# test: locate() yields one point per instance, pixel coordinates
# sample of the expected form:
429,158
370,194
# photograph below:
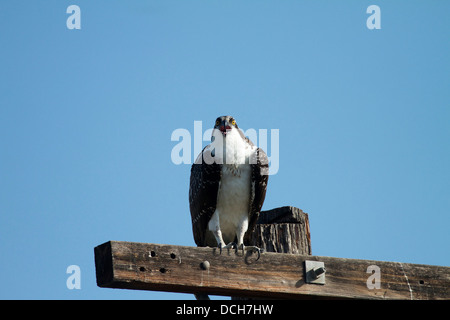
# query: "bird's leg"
242,229
214,227
218,235
220,243
240,245
240,232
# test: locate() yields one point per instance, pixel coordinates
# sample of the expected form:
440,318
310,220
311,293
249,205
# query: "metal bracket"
315,272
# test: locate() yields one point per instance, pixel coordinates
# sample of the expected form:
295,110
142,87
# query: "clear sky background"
86,118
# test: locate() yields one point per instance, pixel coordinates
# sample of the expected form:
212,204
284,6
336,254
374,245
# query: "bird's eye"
217,122
233,122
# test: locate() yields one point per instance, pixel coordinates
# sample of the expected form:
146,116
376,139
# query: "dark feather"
259,179
203,189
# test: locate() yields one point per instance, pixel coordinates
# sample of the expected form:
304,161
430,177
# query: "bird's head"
224,124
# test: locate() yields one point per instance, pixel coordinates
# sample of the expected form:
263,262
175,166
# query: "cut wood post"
283,230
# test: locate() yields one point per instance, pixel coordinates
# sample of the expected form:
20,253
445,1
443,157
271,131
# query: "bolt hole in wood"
152,254
421,282
173,256
142,269
163,270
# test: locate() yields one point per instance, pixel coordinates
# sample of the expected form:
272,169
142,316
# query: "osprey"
227,188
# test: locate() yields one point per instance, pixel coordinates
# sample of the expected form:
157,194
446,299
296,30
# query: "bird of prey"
227,188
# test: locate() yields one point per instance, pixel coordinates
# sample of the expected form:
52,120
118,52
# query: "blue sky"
86,118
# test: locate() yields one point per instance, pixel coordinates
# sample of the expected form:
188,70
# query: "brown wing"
203,189
259,179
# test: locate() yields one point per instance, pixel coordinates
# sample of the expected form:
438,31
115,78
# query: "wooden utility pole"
145,266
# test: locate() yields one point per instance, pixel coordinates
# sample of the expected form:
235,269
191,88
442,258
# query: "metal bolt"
317,272
204,265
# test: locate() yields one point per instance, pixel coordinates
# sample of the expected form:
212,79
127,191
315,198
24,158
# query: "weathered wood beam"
146,266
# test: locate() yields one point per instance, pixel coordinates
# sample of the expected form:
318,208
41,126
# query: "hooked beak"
224,127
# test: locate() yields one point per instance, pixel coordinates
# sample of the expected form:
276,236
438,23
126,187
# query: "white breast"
233,198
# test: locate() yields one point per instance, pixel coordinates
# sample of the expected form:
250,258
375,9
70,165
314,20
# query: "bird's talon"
240,247
251,249
231,245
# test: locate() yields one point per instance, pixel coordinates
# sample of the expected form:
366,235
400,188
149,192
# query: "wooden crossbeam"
146,266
